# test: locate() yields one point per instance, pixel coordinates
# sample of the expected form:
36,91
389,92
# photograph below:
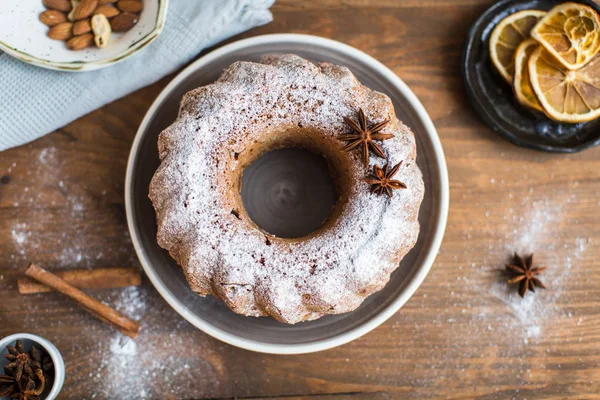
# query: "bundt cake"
253,108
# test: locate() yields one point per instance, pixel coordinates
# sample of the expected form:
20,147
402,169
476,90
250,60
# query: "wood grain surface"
463,335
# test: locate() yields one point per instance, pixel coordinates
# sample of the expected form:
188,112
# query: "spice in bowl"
84,23
29,373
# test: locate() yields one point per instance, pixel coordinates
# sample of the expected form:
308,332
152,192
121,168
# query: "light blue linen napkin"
36,101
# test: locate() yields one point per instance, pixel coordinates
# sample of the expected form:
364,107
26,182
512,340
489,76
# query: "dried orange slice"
507,36
570,32
566,95
521,84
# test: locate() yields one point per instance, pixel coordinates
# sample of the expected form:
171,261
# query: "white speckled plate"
23,36
265,334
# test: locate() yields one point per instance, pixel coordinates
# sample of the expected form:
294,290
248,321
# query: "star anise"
33,392
38,359
25,367
25,379
19,359
42,358
27,390
23,362
364,136
381,180
8,385
525,274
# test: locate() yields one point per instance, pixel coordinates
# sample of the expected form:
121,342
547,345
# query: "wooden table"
462,335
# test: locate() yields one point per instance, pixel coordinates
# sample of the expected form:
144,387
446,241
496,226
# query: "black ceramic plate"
495,102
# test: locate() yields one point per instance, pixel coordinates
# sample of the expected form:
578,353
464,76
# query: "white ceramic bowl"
265,334
23,36
28,339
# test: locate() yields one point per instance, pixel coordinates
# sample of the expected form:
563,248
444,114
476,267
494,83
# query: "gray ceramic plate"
265,334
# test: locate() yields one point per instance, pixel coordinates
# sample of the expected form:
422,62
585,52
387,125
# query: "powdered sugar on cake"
331,272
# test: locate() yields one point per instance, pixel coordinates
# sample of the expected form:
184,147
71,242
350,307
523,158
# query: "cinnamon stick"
99,310
97,278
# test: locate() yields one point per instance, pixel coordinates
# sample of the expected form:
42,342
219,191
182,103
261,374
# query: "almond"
59,5
85,9
104,2
123,22
74,5
80,42
107,10
52,17
131,6
62,31
81,27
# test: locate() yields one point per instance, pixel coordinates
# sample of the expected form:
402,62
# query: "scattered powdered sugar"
331,272
532,226
158,363
131,303
67,207
19,235
482,322
533,331
161,362
47,156
539,222
123,346
70,256
488,307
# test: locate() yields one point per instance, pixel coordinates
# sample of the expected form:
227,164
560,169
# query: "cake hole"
236,214
289,192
